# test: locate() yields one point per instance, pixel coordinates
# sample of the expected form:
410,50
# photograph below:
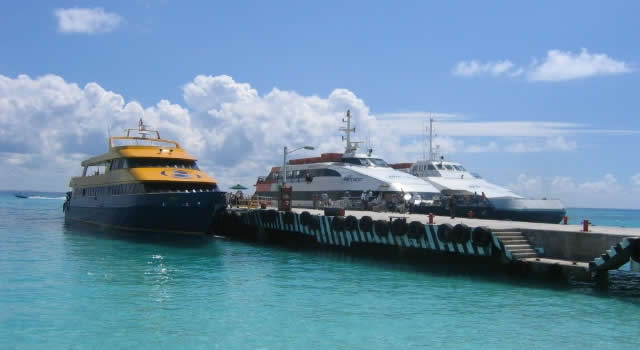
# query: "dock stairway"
517,244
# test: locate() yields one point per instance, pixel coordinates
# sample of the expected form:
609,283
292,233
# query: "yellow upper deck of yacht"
164,161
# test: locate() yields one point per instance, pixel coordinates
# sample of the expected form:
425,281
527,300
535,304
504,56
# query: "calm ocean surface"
78,288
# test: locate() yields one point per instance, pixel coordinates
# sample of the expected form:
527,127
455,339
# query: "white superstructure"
452,179
338,176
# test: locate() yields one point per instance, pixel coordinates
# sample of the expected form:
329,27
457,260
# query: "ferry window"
379,162
431,167
323,172
161,163
355,161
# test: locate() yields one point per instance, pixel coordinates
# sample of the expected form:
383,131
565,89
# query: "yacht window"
439,165
379,162
462,168
431,167
355,161
449,167
323,172
459,168
476,175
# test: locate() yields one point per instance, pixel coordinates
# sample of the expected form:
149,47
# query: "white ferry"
472,193
344,177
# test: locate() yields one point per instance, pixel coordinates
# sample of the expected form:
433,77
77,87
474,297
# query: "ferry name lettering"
351,178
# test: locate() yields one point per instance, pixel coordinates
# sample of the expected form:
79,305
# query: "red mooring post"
430,218
565,220
585,225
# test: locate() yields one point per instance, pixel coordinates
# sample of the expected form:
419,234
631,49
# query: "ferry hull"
512,209
177,212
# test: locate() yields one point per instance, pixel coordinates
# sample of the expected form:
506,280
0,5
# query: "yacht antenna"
351,146
430,137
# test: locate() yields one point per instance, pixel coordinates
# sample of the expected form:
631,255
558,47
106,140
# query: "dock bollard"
585,225
565,220
430,218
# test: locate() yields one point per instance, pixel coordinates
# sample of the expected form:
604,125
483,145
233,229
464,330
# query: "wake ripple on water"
42,197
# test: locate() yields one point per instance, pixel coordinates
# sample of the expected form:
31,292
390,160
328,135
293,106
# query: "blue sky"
239,78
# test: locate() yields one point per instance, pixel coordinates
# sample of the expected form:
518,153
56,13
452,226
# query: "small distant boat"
21,195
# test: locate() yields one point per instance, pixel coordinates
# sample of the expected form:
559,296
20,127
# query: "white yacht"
336,176
473,193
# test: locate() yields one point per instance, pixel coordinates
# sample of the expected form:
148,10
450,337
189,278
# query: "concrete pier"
553,250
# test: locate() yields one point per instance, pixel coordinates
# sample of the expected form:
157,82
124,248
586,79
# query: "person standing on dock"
452,206
363,200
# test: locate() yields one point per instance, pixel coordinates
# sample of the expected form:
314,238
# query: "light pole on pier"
284,160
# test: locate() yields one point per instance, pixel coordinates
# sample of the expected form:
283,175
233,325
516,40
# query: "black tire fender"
444,232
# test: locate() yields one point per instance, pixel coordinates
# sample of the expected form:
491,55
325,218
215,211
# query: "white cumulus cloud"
48,125
635,180
86,20
556,66
604,192
474,68
561,65
557,143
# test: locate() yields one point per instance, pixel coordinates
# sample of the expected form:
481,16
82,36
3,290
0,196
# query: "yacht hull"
177,212
513,209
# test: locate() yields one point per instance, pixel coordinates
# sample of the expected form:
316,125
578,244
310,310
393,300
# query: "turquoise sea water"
79,288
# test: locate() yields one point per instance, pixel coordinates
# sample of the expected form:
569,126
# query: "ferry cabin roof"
157,160
155,148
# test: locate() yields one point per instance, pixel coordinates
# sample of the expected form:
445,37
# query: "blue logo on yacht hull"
179,174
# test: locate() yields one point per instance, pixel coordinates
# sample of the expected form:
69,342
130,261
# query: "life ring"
461,233
381,227
416,229
444,232
351,223
337,223
399,227
366,223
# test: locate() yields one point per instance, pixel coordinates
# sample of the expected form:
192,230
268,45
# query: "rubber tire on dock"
337,224
399,227
381,227
333,211
305,218
461,233
314,222
351,223
366,224
444,232
481,236
272,215
416,229
289,218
